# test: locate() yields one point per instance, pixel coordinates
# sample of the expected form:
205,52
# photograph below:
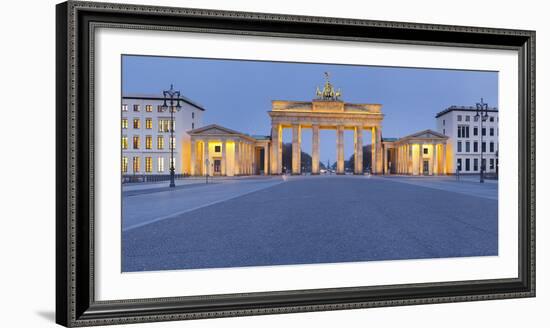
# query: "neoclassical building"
217,150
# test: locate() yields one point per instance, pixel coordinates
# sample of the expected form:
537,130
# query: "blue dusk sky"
237,94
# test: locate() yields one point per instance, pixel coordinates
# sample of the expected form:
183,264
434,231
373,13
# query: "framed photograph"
214,163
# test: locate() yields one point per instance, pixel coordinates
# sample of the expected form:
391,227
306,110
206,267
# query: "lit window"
124,107
173,143
124,123
148,142
160,142
160,163
135,164
136,108
149,108
124,164
164,125
135,142
160,109
137,123
149,123
124,142
148,164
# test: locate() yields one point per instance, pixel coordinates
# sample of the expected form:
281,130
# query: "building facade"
469,136
146,135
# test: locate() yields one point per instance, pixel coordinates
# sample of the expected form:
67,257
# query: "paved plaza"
306,219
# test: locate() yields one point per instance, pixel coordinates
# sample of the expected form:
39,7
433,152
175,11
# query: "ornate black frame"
75,303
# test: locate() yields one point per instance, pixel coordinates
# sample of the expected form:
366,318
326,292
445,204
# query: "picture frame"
76,304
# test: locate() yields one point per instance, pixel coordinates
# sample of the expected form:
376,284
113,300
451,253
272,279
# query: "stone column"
385,155
224,159
315,149
236,163
275,145
436,159
379,155
358,150
444,154
420,160
206,160
340,150
373,150
266,159
193,157
296,149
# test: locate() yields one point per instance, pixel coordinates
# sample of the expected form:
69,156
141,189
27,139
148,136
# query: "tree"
350,163
305,159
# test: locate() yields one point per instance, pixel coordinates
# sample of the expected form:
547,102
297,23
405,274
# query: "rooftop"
463,109
159,97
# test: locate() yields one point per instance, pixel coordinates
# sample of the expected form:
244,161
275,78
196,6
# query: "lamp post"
174,97
481,115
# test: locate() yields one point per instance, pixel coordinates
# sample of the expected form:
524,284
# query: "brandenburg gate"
327,111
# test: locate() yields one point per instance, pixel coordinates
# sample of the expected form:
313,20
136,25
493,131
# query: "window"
475,146
476,164
135,164
491,119
492,131
193,115
492,147
463,131
467,164
148,123
467,118
192,125
137,124
124,164
459,164
483,164
476,118
173,143
135,142
160,109
160,142
443,131
148,164
425,151
467,146
124,142
148,142
136,108
459,147
160,166
124,107
217,149
459,118
492,164
484,146
124,123
149,108
164,125
475,130
484,131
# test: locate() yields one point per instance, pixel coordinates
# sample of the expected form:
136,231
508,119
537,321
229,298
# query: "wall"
27,211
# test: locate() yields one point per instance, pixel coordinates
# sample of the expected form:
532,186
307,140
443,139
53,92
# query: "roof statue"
328,92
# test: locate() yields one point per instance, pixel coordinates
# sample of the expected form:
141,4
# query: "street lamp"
481,115
172,95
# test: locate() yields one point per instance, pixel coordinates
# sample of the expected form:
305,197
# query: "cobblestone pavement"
314,220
